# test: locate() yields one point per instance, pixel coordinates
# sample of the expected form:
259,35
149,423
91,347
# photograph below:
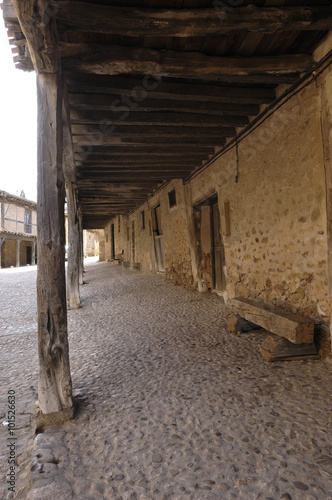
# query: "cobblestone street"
170,405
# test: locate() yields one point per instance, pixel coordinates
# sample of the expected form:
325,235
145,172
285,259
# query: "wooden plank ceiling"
154,86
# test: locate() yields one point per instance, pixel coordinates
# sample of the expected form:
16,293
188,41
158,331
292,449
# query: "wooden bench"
293,327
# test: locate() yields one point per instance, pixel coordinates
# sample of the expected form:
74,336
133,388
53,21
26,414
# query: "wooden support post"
18,244
81,260
33,259
73,269
1,242
55,386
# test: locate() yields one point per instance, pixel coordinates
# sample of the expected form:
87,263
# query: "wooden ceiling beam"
135,91
119,60
218,21
106,130
39,28
134,140
85,153
128,158
106,102
140,173
174,119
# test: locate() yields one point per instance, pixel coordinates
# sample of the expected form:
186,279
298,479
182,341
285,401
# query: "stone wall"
90,243
121,239
271,192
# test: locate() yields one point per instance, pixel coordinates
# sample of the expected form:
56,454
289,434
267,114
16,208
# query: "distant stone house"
18,230
90,243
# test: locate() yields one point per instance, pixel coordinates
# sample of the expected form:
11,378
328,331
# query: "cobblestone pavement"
170,405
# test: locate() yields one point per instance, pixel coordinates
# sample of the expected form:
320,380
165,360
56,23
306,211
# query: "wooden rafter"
139,89
154,119
119,60
39,28
130,21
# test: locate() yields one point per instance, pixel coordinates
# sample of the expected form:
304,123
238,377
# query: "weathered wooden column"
33,258
1,242
55,386
81,268
18,246
74,253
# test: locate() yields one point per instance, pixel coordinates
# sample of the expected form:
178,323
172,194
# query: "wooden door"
218,253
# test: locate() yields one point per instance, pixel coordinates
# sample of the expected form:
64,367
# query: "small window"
27,221
143,219
106,238
172,198
119,224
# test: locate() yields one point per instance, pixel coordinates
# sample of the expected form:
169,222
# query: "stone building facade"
254,223
18,230
90,243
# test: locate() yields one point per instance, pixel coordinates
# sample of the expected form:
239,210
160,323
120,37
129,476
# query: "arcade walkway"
170,405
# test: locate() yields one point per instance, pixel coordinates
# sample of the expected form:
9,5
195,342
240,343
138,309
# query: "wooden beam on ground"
295,328
172,119
137,90
106,102
276,348
55,386
218,21
119,60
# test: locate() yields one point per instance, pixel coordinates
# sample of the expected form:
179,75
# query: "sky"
18,125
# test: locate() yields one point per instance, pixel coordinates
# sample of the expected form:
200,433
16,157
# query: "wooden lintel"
119,60
218,21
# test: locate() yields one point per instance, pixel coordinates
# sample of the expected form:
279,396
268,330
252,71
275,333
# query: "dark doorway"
29,255
112,243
